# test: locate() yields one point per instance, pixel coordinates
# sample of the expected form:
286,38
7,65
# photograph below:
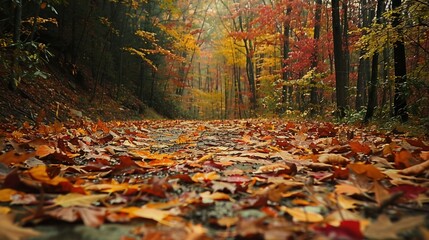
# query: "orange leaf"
227,221
347,189
13,157
40,173
357,147
402,159
44,150
366,169
201,177
162,162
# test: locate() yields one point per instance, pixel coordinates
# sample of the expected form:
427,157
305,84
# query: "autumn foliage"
244,179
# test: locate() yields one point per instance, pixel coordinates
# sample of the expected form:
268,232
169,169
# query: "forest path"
247,179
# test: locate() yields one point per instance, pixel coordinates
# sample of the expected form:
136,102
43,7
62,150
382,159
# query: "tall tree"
372,92
340,68
400,101
314,60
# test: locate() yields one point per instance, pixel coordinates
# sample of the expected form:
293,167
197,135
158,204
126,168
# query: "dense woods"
229,58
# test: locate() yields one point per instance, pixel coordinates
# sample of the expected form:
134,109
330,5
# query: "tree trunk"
340,71
400,101
14,74
346,50
285,74
313,91
372,94
363,69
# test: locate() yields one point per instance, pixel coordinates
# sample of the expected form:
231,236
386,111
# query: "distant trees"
235,58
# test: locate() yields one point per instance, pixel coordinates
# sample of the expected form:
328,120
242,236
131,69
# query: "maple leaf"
76,199
11,231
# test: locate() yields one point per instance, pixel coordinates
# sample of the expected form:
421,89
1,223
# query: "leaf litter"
236,179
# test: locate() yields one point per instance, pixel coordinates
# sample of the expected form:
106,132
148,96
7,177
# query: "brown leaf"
384,228
416,169
334,159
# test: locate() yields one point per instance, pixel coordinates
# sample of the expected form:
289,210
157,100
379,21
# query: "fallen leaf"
384,228
348,229
76,199
43,151
90,216
334,159
14,157
416,169
301,215
347,189
202,177
358,147
147,213
6,194
227,221
367,170
208,197
381,193
11,231
40,173
402,159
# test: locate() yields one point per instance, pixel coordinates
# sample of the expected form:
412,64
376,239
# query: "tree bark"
372,94
313,91
340,71
400,101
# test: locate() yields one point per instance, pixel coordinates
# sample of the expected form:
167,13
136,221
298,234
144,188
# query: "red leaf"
410,192
348,229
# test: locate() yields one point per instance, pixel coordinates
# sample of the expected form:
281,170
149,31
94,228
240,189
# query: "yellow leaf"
6,194
4,210
147,213
39,173
300,215
76,199
11,231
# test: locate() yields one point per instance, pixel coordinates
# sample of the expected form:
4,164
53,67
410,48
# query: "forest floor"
235,179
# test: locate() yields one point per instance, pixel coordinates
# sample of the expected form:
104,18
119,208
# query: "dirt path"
242,179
